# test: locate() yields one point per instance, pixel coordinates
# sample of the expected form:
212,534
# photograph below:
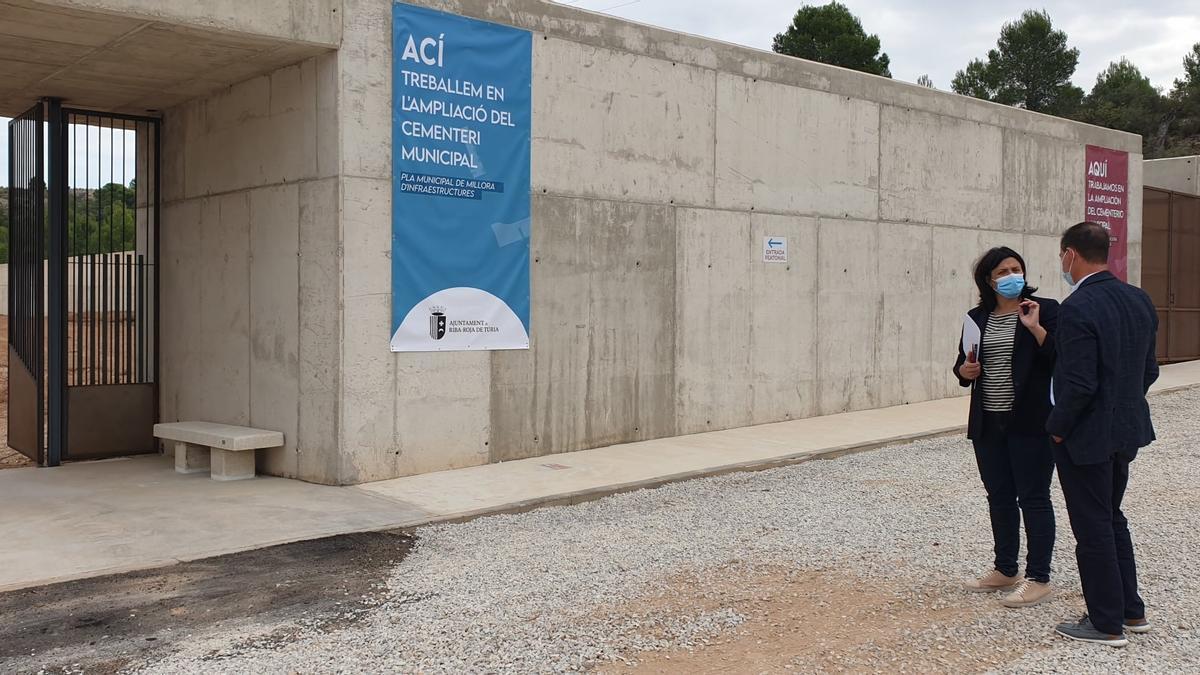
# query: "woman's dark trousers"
1016,470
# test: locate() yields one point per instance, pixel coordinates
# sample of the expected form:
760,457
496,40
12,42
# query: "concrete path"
94,518
103,517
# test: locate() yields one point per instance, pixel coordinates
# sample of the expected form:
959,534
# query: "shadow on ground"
110,623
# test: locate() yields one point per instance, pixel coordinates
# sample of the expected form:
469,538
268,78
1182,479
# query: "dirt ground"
9,458
107,624
857,620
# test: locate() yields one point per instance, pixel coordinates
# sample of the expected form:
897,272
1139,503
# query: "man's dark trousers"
1105,550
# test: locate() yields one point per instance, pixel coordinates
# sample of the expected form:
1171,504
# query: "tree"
831,34
98,221
926,81
1124,99
102,221
976,80
1183,136
1189,85
1031,68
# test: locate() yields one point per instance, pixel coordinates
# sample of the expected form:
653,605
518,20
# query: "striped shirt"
999,340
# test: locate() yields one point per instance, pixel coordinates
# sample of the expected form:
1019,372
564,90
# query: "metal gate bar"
56,276
26,204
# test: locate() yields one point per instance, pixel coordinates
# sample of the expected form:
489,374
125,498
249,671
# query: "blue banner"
461,101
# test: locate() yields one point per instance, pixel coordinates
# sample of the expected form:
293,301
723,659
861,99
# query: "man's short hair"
1090,240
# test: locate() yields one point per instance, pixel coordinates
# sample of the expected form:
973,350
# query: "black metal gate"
111,238
87,374
26,284
1171,259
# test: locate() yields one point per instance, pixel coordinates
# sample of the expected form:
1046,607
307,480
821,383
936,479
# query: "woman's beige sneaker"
991,582
1028,593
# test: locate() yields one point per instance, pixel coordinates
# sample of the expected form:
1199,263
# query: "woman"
1009,375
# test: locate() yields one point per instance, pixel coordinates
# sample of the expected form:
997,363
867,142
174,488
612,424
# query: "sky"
933,37
939,37
95,157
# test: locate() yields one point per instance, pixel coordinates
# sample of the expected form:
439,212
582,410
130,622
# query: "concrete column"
231,465
191,458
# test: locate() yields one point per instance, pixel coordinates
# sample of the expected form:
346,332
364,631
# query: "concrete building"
1177,174
660,161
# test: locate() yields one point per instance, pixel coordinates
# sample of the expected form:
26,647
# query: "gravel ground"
627,582
11,459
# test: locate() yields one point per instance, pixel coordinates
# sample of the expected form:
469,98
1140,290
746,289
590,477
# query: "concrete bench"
226,452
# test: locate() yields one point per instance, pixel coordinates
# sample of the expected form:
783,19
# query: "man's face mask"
1066,273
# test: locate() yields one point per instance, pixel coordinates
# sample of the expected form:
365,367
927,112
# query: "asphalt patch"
108,624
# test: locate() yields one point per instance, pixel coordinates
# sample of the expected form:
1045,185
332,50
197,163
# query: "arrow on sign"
772,243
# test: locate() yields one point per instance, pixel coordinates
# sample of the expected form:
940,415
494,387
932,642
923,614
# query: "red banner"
1107,202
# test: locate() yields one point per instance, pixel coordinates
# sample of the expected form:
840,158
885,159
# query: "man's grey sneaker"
1139,626
1084,631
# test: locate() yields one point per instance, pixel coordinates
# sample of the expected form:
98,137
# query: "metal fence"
110,232
26,289
83,320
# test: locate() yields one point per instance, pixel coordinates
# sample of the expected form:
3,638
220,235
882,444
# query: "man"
1106,364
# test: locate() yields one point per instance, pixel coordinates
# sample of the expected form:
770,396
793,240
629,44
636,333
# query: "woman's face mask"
1011,286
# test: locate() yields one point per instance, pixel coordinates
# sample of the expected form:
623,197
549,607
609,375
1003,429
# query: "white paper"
970,336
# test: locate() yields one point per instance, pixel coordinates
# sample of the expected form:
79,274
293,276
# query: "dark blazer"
1032,368
1107,337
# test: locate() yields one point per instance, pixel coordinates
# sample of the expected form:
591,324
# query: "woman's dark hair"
983,275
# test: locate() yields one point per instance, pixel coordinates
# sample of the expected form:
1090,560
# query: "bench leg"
229,465
190,458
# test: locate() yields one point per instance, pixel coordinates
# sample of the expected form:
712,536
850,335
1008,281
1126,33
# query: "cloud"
939,37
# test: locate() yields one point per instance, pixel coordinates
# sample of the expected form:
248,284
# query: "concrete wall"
131,56
111,288
659,162
250,268
1181,174
308,21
